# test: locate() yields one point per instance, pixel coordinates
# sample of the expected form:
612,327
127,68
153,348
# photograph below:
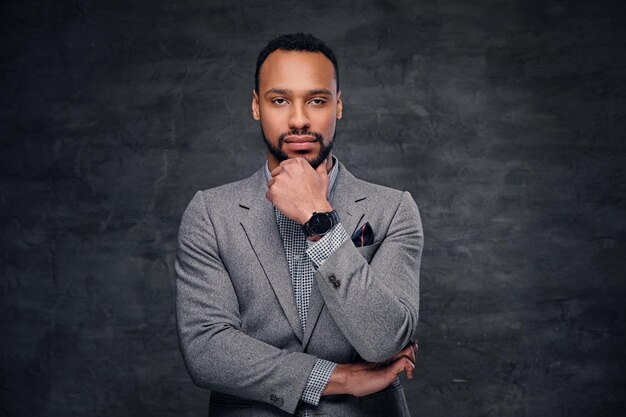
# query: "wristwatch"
320,223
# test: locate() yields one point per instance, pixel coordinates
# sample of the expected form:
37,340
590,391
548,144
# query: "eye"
279,101
318,101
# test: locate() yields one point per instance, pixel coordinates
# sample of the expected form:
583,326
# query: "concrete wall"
505,120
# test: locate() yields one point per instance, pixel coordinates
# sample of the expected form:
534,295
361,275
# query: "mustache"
300,132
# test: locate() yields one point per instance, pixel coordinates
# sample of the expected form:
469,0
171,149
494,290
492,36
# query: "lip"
300,144
299,139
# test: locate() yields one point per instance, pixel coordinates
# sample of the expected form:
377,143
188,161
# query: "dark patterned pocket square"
363,236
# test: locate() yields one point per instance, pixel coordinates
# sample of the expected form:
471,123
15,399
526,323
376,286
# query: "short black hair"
295,42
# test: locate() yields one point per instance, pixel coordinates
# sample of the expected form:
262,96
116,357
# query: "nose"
298,118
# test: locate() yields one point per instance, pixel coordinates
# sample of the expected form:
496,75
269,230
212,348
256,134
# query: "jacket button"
279,401
333,280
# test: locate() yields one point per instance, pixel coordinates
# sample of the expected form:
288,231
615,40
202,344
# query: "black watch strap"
320,223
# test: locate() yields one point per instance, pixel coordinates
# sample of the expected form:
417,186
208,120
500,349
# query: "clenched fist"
298,190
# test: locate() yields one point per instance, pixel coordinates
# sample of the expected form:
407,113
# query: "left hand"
409,352
298,190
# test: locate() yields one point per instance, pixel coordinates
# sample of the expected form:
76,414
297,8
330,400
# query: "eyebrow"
313,92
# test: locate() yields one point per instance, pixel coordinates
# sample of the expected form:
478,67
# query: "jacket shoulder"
231,192
377,189
379,194
388,202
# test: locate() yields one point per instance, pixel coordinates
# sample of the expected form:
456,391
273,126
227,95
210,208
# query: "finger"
290,161
270,183
407,351
409,372
303,163
403,364
409,368
408,358
276,170
400,365
412,353
321,168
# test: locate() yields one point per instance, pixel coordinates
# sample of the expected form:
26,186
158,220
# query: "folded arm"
219,356
376,304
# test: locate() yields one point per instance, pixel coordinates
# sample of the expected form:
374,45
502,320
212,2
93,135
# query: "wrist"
318,208
338,381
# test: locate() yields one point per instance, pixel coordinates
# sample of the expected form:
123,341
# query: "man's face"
298,106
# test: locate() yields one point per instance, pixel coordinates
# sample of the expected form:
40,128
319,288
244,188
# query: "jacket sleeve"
217,354
376,304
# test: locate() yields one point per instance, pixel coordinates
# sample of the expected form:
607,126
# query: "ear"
256,114
339,105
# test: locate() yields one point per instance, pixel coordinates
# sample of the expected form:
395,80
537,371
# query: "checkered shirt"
304,257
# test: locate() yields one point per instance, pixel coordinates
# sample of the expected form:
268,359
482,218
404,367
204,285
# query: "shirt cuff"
320,374
319,251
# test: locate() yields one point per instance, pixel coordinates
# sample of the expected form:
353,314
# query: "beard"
278,153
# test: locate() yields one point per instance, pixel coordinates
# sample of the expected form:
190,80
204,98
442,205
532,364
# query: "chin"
309,156
306,155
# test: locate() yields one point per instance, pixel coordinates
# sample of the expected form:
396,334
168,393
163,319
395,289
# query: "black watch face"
320,223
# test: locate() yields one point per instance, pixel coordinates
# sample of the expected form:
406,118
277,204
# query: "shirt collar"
332,176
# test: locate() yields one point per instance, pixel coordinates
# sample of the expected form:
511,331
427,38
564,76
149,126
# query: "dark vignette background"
505,120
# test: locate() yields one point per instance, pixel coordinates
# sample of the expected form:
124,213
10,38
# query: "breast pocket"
368,251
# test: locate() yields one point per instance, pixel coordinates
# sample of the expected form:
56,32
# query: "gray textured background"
505,120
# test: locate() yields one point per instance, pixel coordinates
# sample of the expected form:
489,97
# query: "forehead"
297,70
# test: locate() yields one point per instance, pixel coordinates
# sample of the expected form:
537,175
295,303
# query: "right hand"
364,378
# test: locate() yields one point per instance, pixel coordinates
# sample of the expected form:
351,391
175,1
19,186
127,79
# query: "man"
280,310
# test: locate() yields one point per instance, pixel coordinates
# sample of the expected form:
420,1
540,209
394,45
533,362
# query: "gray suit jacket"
238,324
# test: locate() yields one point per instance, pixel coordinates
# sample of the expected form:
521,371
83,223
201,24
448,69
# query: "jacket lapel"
262,231
346,199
